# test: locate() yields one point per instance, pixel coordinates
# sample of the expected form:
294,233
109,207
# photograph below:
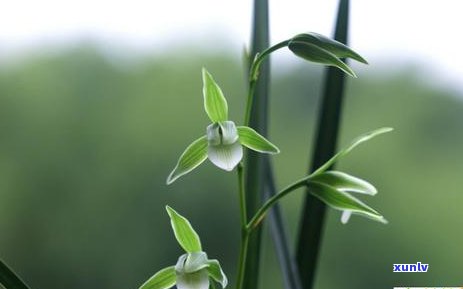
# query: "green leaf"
343,201
215,103
163,279
337,48
215,271
345,182
253,140
192,157
361,139
184,233
317,54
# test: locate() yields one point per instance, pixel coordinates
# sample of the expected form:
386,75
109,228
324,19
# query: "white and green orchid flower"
224,141
193,269
334,188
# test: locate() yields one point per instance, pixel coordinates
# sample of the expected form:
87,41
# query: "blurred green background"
87,141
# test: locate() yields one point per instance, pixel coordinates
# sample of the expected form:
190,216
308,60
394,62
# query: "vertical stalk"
312,219
244,231
287,262
258,119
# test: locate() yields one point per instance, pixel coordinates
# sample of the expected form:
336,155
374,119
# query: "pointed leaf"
345,182
215,103
343,201
253,140
184,233
317,54
361,139
192,157
225,157
337,48
215,271
163,279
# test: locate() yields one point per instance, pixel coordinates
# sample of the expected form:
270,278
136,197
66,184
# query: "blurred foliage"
86,145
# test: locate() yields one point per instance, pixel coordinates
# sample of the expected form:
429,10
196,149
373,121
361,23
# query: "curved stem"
254,74
260,214
244,231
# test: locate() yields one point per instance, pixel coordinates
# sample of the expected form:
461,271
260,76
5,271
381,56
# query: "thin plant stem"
254,74
242,260
244,232
242,195
260,214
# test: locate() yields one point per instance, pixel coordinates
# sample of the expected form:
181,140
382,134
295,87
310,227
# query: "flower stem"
254,74
260,214
244,231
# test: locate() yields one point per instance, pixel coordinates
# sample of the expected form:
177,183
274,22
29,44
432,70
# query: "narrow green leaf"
337,48
258,120
345,182
343,201
163,279
216,272
361,139
317,54
288,266
313,214
9,279
215,103
184,233
253,140
193,156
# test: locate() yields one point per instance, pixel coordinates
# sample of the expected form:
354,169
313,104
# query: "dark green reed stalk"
9,279
312,219
287,262
254,173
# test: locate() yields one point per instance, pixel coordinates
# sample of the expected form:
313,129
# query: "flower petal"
195,262
345,182
225,157
193,156
345,216
215,103
314,53
253,140
163,279
184,233
197,280
345,151
215,271
229,132
343,201
222,133
337,48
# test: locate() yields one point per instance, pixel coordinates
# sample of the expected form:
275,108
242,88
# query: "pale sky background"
427,32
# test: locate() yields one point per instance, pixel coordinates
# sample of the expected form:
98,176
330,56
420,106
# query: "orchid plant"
223,144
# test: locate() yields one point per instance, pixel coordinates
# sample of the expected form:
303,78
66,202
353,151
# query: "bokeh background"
96,108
